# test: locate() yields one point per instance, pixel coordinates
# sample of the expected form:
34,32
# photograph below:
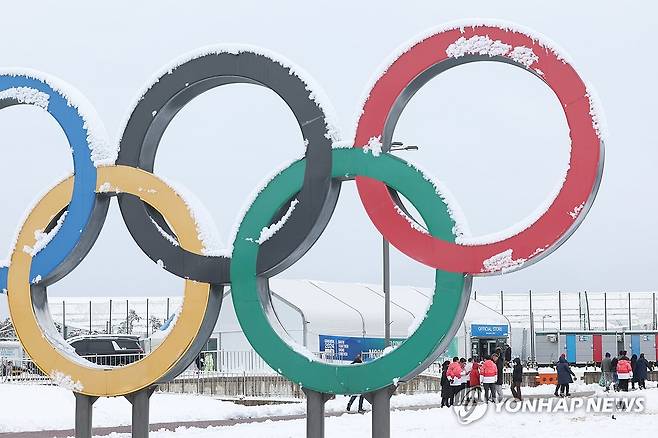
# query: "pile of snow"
26,95
374,146
65,381
502,262
42,239
267,232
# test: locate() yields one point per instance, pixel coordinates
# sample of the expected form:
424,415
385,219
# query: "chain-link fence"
559,310
137,316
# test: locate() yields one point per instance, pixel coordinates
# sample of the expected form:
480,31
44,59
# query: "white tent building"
336,319
311,310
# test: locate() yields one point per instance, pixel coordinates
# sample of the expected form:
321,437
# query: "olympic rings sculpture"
289,213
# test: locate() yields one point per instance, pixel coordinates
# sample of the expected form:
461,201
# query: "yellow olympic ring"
92,379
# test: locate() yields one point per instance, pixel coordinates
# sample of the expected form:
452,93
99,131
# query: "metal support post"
653,311
315,412
532,328
64,319
381,411
559,309
630,323
148,331
605,311
83,410
387,292
140,412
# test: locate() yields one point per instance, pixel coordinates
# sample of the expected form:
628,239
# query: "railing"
234,385
114,360
236,361
221,373
21,371
252,385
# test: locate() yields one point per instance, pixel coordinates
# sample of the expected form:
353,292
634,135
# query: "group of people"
620,371
472,376
464,380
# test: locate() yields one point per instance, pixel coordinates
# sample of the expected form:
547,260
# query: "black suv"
108,350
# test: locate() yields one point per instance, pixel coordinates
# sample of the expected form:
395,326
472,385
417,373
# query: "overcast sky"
493,133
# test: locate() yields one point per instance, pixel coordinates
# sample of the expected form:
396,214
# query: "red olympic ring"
555,225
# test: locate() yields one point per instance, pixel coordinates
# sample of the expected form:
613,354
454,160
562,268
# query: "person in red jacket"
474,378
455,373
489,376
474,390
624,375
624,372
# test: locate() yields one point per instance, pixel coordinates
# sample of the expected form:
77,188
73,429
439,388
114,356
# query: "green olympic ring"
250,292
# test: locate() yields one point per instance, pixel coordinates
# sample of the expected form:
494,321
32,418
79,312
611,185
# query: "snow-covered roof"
350,309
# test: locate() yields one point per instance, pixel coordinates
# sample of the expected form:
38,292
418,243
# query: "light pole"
386,271
543,318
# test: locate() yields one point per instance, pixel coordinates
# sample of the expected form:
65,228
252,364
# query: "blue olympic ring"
83,199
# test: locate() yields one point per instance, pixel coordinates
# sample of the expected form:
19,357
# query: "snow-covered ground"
55,407
38,408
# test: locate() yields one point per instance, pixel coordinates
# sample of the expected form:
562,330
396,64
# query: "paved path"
219,423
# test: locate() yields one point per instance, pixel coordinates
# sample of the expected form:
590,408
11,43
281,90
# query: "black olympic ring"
160,104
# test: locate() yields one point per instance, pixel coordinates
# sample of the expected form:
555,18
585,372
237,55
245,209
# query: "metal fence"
234,385
575,310
236,375
21,371
252,385
139,316
237,361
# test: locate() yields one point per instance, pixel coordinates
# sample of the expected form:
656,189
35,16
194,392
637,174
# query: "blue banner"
489,330
347,347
